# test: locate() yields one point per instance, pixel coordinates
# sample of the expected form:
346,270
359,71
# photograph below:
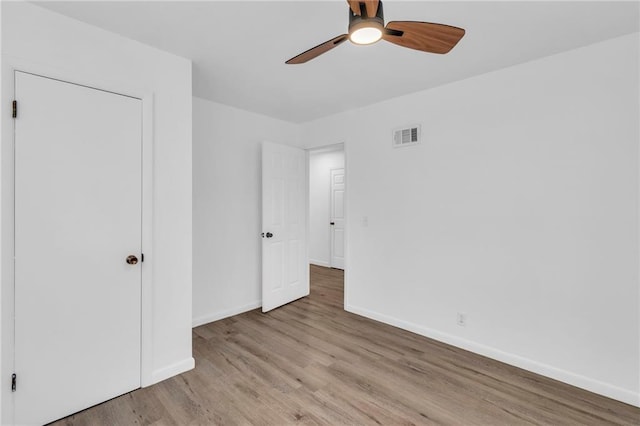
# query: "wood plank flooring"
310,362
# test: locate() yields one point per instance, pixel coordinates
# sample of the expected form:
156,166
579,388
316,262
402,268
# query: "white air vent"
406,136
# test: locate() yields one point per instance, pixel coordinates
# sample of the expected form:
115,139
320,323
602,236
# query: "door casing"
339,146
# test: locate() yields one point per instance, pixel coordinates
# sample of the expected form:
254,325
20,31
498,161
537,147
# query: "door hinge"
13,382
15,109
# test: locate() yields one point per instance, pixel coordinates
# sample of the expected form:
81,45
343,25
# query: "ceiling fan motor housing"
357,22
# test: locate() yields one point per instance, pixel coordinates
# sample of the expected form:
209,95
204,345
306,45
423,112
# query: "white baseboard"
215,316
171,370
320,263
577,380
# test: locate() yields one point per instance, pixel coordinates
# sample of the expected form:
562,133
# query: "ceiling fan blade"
355,6
371,7
424,36
318,50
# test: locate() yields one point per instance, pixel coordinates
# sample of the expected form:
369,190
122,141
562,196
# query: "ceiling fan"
366,26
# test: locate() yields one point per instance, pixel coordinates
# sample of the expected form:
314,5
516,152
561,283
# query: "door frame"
7,208
337,146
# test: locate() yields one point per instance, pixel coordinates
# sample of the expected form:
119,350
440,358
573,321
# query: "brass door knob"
132,260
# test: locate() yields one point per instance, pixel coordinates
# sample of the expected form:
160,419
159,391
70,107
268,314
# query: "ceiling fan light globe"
365,35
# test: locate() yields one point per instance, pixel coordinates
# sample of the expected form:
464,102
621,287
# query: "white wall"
520,209
320,165
45,42
227,206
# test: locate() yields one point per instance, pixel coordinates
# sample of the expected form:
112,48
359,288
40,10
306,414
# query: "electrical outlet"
462,319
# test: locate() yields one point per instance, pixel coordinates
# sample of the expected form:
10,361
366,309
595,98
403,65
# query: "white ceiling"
239,48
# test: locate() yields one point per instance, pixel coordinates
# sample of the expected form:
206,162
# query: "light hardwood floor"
311,362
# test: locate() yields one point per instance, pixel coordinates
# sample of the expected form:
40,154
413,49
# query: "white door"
77,219
337,218
285,268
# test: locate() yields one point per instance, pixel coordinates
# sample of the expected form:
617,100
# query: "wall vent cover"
406,136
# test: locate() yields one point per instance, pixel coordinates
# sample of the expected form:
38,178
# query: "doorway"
327,189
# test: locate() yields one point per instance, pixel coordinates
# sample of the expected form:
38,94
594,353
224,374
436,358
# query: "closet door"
77,247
